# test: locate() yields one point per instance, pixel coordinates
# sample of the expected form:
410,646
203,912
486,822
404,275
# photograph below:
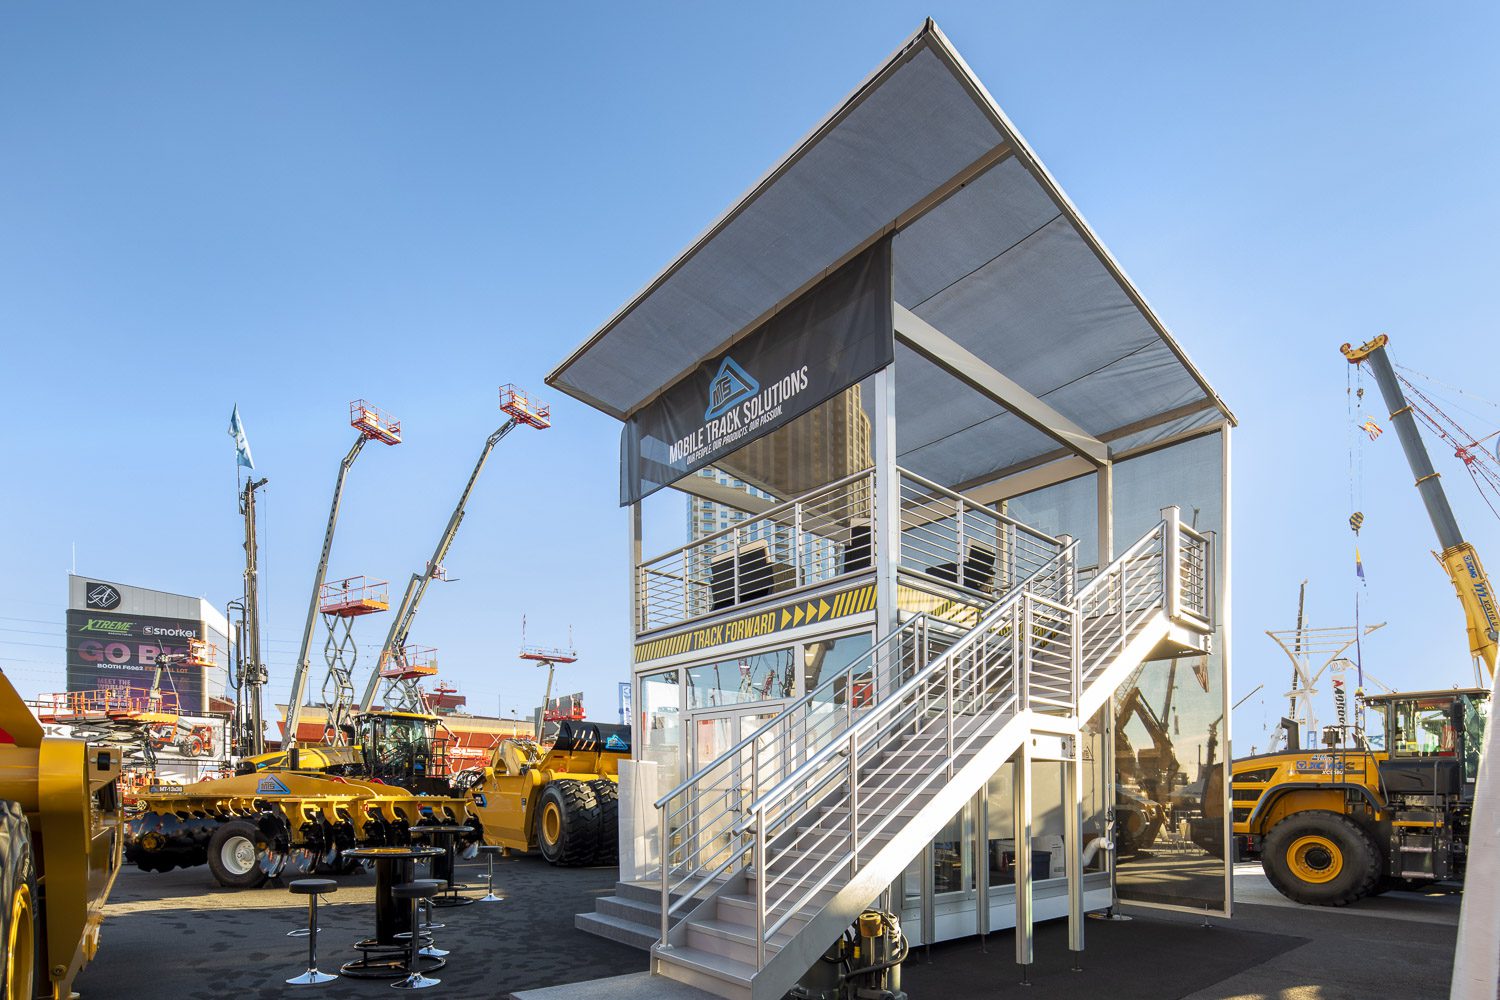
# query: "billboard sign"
112,651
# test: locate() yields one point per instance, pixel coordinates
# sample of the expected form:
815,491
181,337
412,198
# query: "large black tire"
567,823
608,794
1321,858
233,857
20,926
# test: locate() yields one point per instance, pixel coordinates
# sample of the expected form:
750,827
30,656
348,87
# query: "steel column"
1021,786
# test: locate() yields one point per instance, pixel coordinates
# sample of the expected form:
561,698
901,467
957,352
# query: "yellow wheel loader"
1389,811
562,801
60,823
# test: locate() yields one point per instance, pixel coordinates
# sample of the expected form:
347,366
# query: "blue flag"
241,443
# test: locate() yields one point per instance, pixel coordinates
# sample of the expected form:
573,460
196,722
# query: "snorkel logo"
731,386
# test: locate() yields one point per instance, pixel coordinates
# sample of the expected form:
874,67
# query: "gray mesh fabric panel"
913,133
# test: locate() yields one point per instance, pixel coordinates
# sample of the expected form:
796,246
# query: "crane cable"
1354,393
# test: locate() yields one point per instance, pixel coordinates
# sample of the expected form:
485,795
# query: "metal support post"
887,483
1073,845
1021,785
1171,560
982,864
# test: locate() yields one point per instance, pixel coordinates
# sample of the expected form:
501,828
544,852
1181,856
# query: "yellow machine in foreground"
302,806
562,801
1391,811
60,827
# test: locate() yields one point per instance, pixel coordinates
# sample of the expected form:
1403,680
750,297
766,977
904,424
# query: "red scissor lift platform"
410,663
354,596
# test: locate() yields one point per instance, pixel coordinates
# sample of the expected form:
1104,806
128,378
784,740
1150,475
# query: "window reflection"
756,677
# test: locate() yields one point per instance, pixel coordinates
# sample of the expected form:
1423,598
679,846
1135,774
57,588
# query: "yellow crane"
1458,558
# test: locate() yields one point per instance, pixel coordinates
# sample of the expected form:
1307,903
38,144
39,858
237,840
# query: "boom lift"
372,425
400,664
1369,813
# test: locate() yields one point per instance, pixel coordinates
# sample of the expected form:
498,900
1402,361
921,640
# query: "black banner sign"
835,334
115,651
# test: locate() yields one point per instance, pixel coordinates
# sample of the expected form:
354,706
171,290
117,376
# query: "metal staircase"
773,849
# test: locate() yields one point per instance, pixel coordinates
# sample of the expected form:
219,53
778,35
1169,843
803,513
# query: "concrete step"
617,929
646,914
718,974
642,892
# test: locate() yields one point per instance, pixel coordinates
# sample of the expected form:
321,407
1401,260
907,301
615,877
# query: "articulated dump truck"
60,836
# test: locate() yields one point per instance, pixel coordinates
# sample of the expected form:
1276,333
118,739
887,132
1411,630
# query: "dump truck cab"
1369,810
560,799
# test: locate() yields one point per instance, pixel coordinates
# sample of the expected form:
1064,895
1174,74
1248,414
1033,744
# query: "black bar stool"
312,888
490,850
415,891
425,925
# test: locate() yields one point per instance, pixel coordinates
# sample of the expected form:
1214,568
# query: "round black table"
445,836
384,956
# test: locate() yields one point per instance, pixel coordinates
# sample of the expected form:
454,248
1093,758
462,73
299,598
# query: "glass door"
714,734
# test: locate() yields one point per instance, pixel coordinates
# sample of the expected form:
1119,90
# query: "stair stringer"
787,966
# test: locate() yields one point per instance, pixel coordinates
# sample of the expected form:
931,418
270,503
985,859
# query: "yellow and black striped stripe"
824,607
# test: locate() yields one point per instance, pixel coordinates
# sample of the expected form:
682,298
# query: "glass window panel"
1169,757
745,679
660,725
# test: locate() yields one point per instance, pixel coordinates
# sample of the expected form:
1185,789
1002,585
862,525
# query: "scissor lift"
340,602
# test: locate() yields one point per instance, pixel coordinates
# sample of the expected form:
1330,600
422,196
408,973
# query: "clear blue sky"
293,205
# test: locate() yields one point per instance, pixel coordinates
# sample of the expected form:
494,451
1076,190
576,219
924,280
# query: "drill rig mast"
252,740
399,664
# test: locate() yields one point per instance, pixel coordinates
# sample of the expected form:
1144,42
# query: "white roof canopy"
990,258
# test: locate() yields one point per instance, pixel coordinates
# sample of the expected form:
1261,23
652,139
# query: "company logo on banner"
826,340
101,596
737,408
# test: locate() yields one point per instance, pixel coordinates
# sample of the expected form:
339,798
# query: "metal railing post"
950,660
666,893
1024,650
735,561
853,804
797,579
687,586
759,861
958,558
1171,557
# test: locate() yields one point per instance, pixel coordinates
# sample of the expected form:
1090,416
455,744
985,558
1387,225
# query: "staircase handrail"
836,744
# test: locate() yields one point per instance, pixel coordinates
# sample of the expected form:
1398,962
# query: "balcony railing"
946,539
817,537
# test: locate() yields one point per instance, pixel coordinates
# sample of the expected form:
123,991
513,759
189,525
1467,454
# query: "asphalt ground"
182,937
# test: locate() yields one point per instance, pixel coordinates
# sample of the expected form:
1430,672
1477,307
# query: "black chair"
312,888
490,850
415,891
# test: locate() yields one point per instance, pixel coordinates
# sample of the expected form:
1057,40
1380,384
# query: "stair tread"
729,969
742,933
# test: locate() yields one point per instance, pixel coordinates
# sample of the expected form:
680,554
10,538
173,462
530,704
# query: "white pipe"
1093,847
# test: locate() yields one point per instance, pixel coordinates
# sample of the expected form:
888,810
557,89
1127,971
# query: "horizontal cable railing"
828,533
950,539
817,537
